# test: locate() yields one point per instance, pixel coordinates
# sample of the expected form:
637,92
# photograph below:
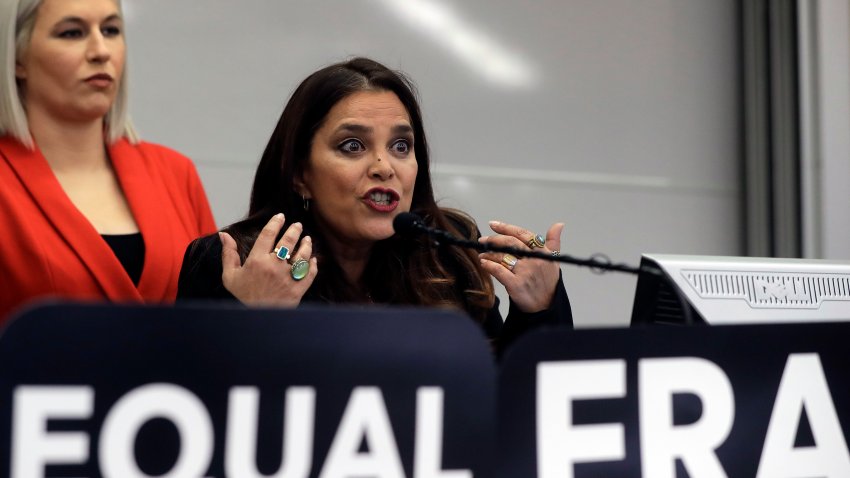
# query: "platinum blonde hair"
17,18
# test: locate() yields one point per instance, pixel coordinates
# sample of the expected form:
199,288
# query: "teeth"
380,198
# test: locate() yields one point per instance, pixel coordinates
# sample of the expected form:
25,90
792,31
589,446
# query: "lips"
380,199
100,80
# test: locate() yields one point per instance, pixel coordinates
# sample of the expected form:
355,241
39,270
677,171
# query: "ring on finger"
509,261
556,253
282,253
299,269
536,241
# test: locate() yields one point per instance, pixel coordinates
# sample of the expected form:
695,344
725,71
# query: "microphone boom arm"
593,263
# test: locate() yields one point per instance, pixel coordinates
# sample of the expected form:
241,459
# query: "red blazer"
49,249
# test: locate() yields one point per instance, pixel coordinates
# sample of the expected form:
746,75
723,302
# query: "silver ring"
556,253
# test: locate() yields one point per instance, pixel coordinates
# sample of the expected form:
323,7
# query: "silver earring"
306,203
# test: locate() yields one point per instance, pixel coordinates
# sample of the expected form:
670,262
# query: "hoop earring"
306,203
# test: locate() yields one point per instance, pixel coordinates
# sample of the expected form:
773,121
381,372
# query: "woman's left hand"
530,282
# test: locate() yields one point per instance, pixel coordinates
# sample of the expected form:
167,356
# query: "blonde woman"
88,212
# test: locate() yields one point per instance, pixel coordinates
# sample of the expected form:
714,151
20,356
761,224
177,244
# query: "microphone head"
406,222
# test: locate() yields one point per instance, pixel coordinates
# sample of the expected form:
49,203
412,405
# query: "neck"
351,258
69,145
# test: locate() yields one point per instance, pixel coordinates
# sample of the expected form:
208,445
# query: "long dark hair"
399,271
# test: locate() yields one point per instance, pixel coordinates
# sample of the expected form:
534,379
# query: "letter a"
366,418
804,384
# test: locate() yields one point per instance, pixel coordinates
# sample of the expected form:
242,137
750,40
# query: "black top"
130,251
200,278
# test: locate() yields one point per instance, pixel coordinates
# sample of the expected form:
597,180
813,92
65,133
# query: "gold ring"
536,241
509,261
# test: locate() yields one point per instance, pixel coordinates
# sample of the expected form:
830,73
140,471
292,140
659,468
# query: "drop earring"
306,203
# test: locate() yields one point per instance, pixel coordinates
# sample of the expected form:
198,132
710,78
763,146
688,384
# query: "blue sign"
666,402
227,391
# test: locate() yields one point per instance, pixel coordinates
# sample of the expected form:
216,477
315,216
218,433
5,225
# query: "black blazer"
200,278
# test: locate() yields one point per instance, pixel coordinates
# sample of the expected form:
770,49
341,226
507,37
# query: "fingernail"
495,223
306,238
296,224
279,215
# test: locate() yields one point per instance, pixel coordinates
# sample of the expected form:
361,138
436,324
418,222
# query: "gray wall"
619,118
824,27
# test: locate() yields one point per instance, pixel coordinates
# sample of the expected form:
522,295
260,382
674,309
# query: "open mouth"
382,199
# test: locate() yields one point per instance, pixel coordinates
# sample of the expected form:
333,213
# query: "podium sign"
226,391
667,402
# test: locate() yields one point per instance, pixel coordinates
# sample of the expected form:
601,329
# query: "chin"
91,113
383,232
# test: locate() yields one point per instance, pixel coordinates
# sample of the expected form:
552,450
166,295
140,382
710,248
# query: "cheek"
118,58
409,179
59,66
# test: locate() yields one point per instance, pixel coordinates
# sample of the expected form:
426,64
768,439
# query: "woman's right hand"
264,279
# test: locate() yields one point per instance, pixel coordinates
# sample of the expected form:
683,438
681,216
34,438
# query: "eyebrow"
79,20
354,128
361,129
402,129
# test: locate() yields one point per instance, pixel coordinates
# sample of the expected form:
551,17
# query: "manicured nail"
495,223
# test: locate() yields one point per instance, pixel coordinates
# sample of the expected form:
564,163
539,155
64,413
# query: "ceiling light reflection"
473,47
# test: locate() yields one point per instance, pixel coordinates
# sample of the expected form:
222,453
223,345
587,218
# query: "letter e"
560,444
33,446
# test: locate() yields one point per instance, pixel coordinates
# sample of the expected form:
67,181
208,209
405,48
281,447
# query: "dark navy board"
753,358
207,350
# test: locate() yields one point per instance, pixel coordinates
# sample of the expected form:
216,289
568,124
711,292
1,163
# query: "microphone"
407,223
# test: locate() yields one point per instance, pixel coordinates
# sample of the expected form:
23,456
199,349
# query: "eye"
71,33
111,31
352,146
401,147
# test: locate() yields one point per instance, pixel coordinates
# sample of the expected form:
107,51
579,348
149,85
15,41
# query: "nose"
98,51
381,169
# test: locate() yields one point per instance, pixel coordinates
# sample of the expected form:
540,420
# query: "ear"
301,187
20,71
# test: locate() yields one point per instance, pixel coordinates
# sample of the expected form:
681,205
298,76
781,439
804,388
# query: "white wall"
620,118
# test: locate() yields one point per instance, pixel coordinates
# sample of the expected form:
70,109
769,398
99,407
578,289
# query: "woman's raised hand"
529,282
273,274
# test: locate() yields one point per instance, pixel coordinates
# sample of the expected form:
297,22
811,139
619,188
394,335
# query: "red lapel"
75,229
154,216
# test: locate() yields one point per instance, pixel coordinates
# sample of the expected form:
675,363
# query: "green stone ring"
299,269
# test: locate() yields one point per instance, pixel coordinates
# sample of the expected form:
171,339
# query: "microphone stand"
443,237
